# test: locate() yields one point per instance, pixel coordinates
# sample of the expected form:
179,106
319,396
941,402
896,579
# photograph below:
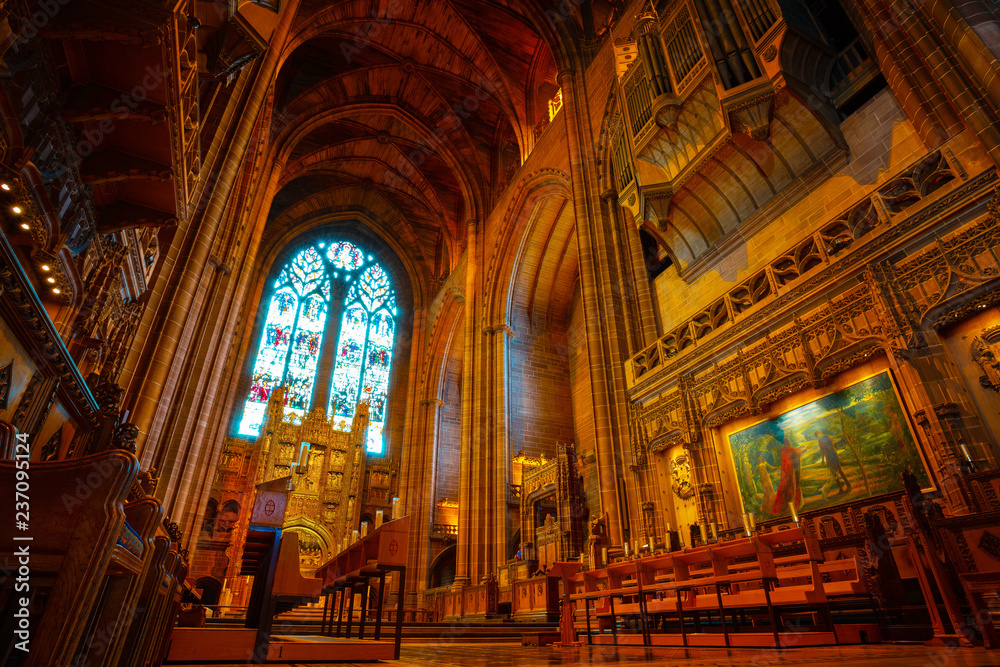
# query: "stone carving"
680,475
984,349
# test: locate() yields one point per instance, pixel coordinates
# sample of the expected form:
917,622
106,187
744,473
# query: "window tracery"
301,313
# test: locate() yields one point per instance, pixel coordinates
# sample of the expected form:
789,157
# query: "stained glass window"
297,320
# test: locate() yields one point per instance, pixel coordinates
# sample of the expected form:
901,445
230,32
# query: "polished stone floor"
512,655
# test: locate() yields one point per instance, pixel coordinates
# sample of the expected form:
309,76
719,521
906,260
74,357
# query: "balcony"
695,147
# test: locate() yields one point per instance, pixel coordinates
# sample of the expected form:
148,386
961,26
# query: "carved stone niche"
985,350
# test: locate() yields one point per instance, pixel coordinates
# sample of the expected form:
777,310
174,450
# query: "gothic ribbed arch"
324,289
515,231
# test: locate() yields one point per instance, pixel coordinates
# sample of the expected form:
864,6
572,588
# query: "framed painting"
848,445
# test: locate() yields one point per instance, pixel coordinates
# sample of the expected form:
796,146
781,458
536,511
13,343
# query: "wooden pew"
159,593
722,578
91,554
361,567
291,589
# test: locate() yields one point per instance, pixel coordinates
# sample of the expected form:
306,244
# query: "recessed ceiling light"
45,267
4,186
51,280
25,225
55,290
16,209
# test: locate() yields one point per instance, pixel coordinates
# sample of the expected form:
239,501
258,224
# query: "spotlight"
51,280
25,225
55,290
4,187
16,209
46,267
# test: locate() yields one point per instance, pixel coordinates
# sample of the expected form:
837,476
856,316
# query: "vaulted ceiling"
410,110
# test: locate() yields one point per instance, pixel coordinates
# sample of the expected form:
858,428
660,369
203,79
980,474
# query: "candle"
635,545
965,450
680,536
395,508
704,532
715,533
795,516
746,524
354,536
753,521
604,556
378,519
364,528
668,528
626,549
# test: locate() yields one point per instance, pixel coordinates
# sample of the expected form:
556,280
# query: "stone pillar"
500,454
585,212
464,548
923,102
952,79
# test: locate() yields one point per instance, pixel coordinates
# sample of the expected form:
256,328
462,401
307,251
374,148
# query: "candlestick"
746,524
635,545
715,533
354,536
378,519
753,521
395,508
680,536
626,549
364,528
604,556
795,516
704,532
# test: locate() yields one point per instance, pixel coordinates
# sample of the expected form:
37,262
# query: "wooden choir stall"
102,572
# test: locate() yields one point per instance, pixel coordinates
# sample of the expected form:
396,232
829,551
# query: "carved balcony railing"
856,225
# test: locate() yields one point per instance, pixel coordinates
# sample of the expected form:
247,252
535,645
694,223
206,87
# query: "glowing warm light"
45,267
51,280
55,290
25,225
16,209
4,186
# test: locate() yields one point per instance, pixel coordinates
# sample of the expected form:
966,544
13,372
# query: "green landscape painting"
846,446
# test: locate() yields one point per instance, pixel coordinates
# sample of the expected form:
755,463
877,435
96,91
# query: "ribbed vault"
409,112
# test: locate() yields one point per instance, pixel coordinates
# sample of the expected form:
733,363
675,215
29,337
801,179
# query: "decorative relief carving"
680,475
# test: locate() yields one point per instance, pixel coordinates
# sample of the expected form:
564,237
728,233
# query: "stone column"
465,485
585,213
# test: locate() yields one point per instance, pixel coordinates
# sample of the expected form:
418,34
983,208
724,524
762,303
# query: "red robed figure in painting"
789,490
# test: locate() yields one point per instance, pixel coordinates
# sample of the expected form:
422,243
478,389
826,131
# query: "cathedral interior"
651,324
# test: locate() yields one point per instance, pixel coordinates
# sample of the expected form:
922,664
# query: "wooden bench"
718,579
361,567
